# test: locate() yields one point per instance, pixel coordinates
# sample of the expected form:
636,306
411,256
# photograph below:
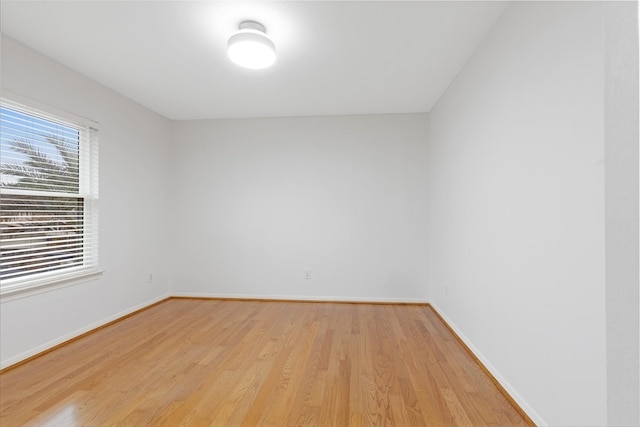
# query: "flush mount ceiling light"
250,47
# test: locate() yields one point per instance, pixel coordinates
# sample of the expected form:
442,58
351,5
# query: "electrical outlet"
307,274
446,290
150,278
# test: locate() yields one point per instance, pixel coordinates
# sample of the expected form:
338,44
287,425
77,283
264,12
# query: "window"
48,197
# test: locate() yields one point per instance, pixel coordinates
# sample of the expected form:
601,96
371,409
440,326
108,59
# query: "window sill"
47,284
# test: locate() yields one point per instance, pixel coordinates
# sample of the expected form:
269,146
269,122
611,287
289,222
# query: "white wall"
516,181
258,201
133,214
621,212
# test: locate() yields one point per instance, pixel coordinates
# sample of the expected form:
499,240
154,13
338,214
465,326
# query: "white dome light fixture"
250,47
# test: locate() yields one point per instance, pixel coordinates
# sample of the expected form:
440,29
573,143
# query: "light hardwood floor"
231,363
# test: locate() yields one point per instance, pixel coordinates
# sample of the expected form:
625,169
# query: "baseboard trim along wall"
41,350
500,382
302,298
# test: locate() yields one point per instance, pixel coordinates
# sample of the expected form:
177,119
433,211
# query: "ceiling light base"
252,25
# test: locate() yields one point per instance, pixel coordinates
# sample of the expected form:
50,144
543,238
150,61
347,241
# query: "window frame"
30,284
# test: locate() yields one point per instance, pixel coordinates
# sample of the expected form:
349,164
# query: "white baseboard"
300,298
78,332
537,419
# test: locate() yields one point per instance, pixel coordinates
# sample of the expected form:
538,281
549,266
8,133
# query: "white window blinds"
48,198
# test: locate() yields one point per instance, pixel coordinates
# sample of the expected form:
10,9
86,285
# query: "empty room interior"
319,213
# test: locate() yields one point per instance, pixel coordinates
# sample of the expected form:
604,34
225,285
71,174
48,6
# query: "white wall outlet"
150,278
446,290
307,274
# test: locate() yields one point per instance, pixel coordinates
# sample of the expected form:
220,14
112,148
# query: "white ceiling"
360,57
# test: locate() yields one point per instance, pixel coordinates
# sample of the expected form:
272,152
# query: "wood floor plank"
245,363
